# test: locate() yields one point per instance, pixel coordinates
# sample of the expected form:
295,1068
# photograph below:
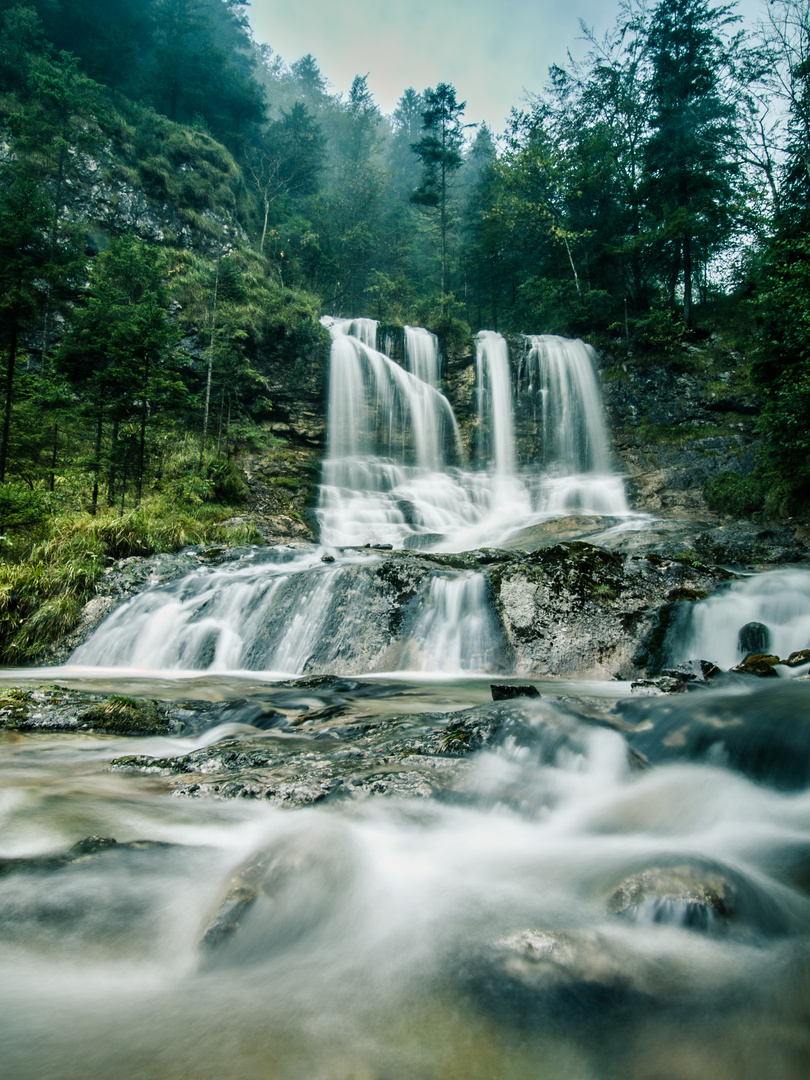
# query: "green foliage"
782,370
21,508
658,334
186,167
735,495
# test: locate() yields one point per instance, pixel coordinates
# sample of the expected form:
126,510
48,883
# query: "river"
412,883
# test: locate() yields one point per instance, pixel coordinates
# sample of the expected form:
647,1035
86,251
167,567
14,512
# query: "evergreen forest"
179,205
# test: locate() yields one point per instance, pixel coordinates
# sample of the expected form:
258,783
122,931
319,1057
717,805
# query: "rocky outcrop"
674,428
576,609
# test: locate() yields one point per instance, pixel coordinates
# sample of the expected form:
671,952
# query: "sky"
492,51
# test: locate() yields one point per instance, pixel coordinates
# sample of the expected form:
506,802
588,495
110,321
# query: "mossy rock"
125,716
14,706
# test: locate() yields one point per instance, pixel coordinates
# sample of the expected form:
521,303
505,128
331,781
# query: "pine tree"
439,150
692,158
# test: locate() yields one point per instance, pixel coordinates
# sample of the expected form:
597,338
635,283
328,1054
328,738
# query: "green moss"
684,594
125,716
14,707
454,740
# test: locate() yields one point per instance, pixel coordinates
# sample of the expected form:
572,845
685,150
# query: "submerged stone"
503,692
685,895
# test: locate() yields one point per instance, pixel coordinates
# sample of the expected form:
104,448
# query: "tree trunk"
111,480
97,459
687,279
142,440
53,455
210,366
264,225
221,411
60,176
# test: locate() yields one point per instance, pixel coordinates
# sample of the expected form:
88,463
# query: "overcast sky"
490,50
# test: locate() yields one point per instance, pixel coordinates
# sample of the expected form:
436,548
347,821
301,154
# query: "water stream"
584,885
375,948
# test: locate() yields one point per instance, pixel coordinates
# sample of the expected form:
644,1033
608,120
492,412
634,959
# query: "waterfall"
391,435
493,379
291,613
394,471
559,375
778,601
557,383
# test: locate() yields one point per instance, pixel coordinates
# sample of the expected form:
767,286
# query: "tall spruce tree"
692,159
439,150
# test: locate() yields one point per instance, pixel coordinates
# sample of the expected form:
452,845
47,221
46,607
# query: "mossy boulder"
125,716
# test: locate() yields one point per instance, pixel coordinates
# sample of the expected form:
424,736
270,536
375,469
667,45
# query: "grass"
52,566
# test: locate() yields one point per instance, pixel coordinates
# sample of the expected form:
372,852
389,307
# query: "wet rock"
420,756
764,733
503,692
693,671
762,666
798,659
55,708
544,977
575,609
81,852
284,891
753,638
126,716
683,895
662,684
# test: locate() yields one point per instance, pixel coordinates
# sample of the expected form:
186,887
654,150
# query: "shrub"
735,495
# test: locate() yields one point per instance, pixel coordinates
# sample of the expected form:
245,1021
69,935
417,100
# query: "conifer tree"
439,150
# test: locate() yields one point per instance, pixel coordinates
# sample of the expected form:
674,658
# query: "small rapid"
286,612
544,918
763,613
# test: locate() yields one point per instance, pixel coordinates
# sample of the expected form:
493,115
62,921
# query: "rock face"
568,610
674,428
575,609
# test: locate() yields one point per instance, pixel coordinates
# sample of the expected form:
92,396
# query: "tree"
782,367
52,135
118,349
288,160
197,45
439,150
308,76
407,129
24,216
691,157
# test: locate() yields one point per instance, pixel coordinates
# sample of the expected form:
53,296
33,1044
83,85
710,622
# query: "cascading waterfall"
777,601
559,375
394,470
557,382
290,613
496,434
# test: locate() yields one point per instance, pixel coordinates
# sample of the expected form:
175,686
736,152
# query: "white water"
558,375
779,599
285,614
557,385
362,956
494,389
394,470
